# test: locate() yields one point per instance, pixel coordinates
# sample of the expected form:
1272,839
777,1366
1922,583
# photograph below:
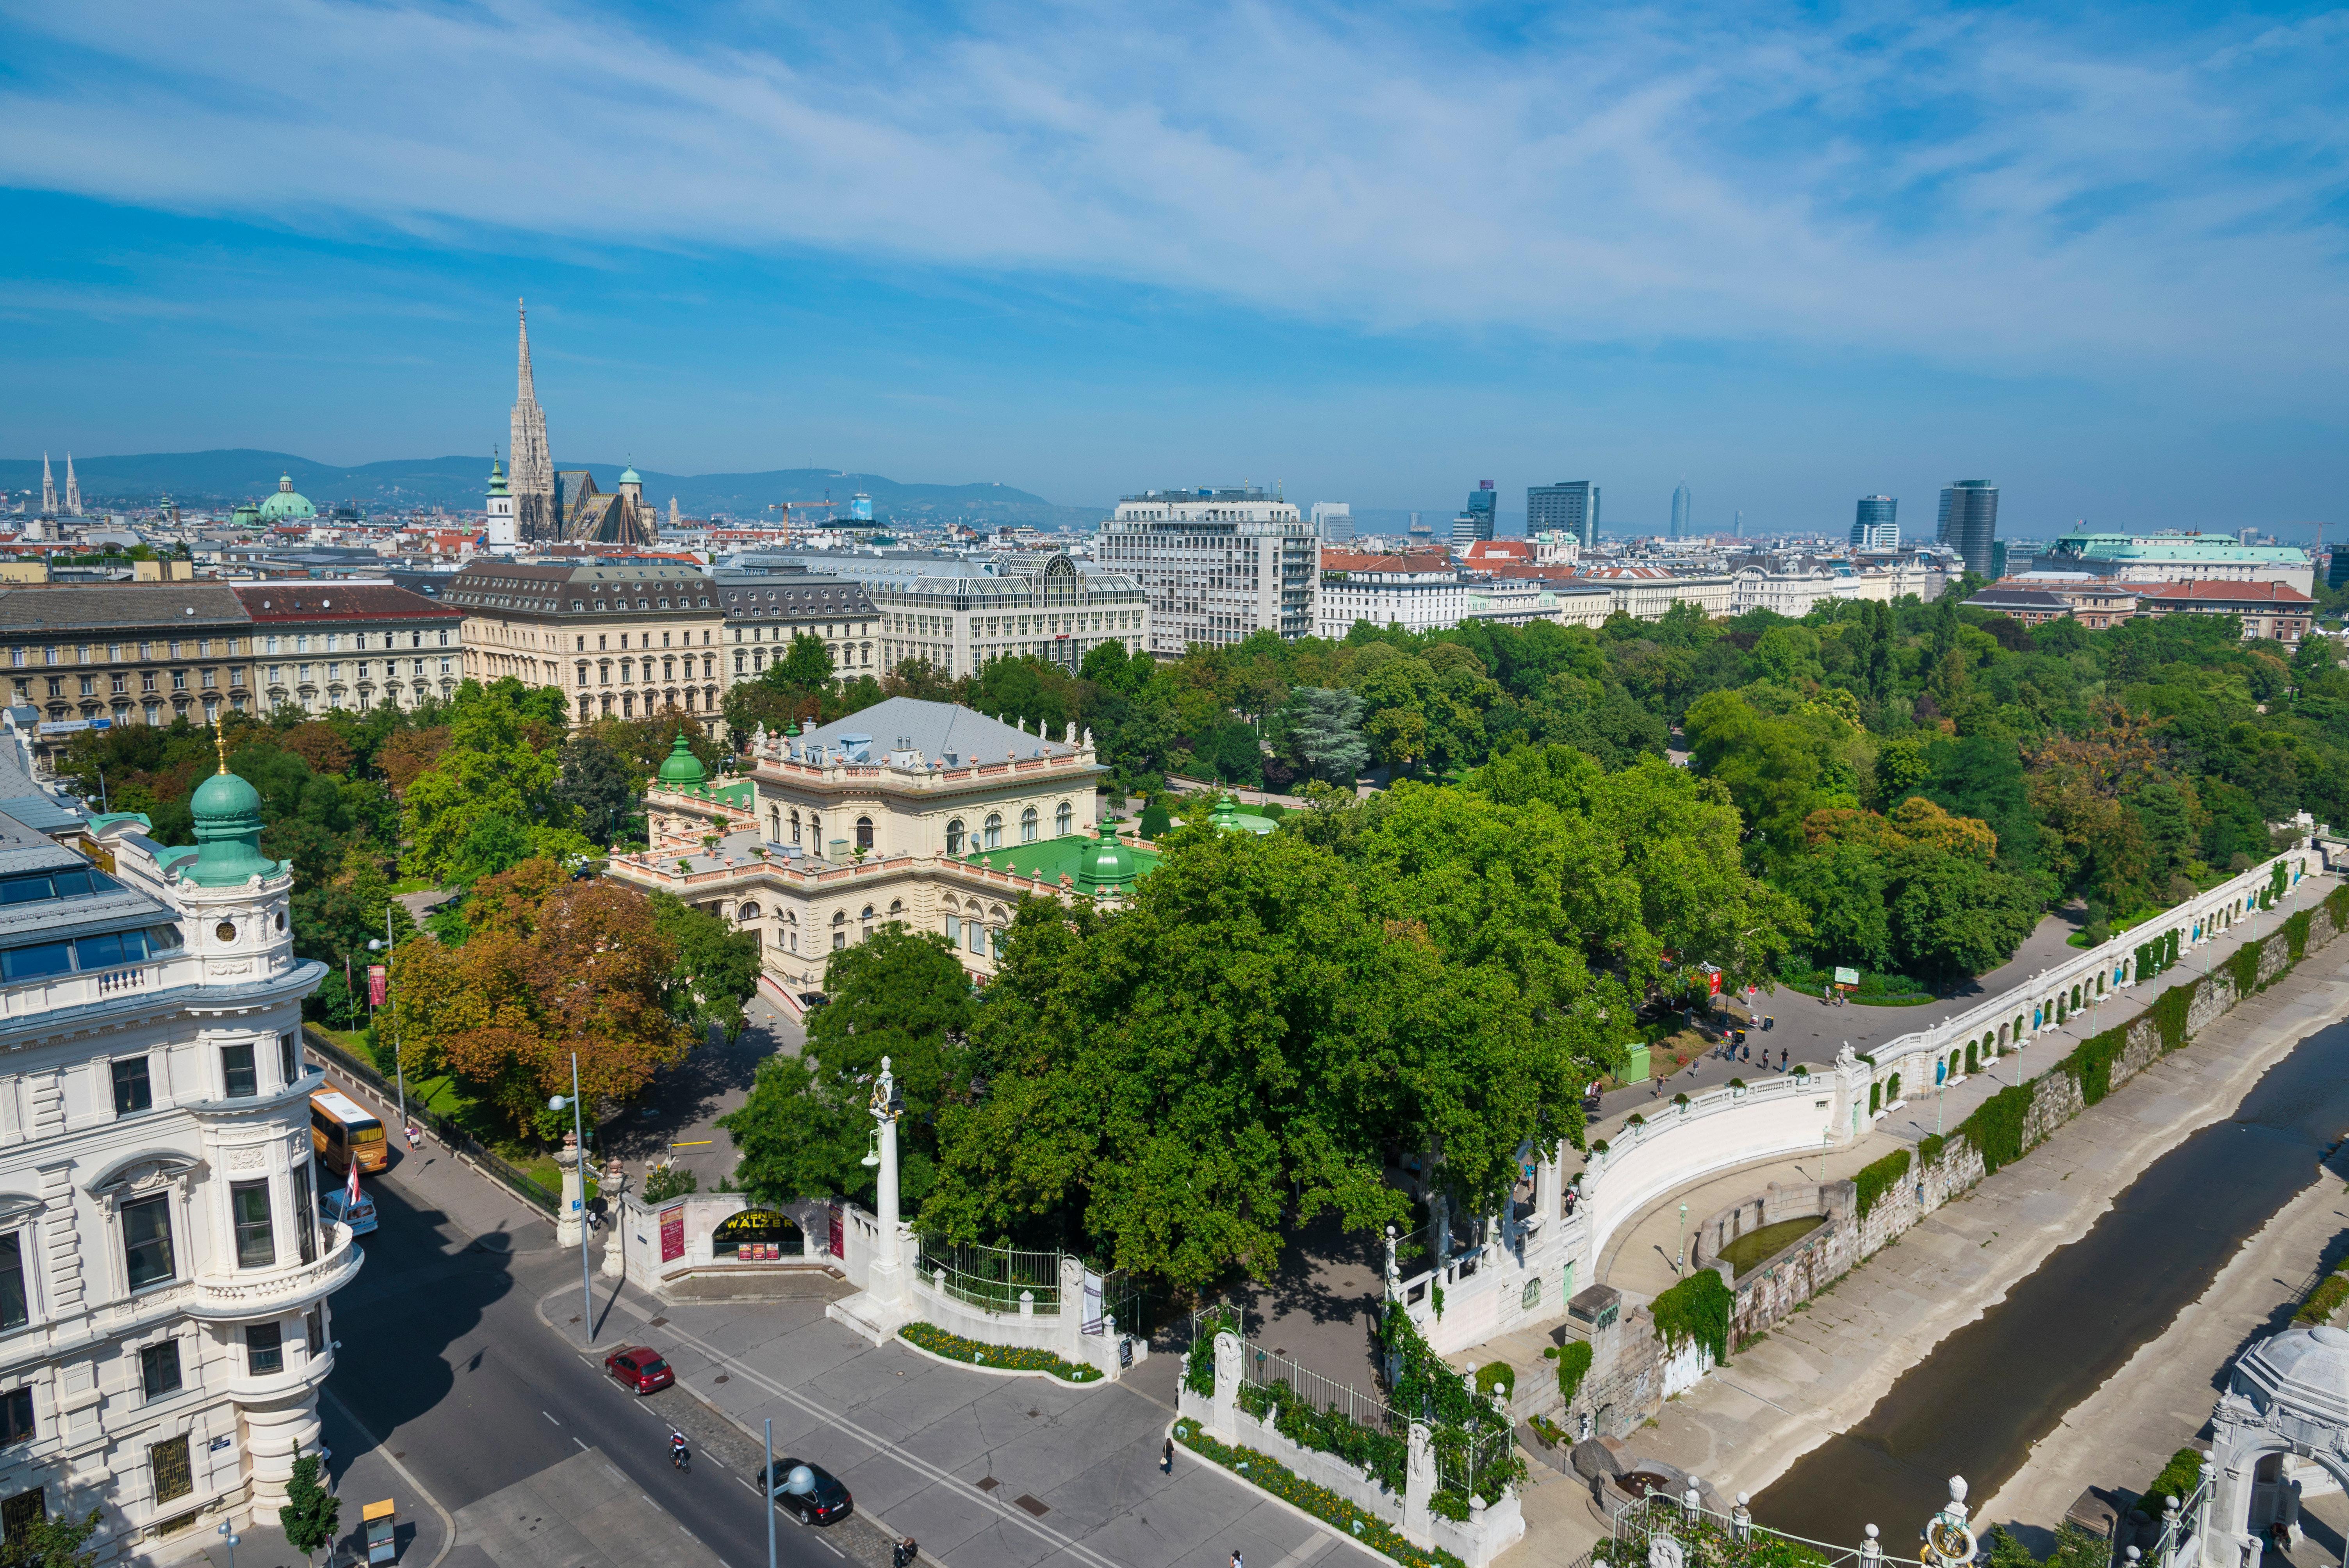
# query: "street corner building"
924,814
164,1273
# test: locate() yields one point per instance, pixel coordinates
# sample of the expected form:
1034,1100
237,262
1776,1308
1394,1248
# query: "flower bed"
929,1337
1270,1475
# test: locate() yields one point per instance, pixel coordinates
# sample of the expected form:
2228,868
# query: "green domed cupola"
1107,869
228,831
681,769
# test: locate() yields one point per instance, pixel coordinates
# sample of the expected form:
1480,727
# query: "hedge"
1876,1179
2178,1478
1387,1458
1270,1475
1002,1357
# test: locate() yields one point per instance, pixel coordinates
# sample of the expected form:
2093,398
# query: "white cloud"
1988,189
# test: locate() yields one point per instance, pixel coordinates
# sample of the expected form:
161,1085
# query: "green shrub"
2295,934
1892,1088
1573,1365
1199,1366
1874,1098
2178,1478
1449,1505
1384,1456
1496,1377
2243,968
1930,1149
1995,1128
1879,1178
1697,1309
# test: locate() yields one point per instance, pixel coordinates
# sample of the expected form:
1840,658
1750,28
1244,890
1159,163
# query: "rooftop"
2280,595
936,729
339,601
117,606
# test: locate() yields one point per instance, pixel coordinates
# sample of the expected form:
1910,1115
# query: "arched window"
896,907
864,832
1063,821
796,827
775,825
1027,825
994,832
815,831
838,931
747,912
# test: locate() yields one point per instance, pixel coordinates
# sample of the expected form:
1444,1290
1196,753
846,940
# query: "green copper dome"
681,769
228,831
1227,814
630,476
497,477
1107,869
287,505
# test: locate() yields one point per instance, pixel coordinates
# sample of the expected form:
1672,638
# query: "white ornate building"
920,813
163,1271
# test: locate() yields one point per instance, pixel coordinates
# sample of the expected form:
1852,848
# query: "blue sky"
2093,253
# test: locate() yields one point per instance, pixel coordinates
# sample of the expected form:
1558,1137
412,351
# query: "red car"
639,1368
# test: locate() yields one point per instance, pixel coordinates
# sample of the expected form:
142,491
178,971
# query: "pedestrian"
1783,1056
1747,1056
1166,1459
1235,1560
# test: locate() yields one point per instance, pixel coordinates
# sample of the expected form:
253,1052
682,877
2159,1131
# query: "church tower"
533,477
49,489
499,533
73,489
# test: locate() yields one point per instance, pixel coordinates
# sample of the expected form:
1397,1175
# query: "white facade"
1048,609
1417,592
1333,522
1216,565
163,1269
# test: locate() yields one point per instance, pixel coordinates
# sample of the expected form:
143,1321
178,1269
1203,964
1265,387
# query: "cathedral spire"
530,470
49,489
523,391
73,489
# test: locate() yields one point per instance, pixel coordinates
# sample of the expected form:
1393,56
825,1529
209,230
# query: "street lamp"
231,1541
398,1066
1681,1263
579,1140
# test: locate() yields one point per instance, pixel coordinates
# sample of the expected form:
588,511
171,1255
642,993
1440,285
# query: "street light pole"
1679,1265
767,1482
579,1145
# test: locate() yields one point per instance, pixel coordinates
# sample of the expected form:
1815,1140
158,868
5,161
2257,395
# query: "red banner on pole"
672,1233
375,984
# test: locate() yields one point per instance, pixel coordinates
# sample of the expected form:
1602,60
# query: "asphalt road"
445,1361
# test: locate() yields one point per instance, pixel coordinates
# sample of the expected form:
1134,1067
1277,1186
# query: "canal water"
1975,1405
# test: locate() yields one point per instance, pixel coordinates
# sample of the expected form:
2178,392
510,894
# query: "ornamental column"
886,1283
568,1214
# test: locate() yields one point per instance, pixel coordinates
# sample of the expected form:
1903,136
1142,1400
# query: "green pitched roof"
1047,859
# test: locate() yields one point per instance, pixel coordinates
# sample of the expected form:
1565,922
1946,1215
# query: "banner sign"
759,1235
836,1242
1091,1323
375,984
672,1233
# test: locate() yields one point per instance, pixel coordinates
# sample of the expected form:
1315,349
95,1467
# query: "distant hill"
224,478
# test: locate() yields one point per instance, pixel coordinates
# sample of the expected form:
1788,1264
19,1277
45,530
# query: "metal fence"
992,1278
524,1185
1709,1540
1268,1368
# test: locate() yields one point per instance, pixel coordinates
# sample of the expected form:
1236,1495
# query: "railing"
214,1295
1709,1540
467,1147
1270,1370
992,1278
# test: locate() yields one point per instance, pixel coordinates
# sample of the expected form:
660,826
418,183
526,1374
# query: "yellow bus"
340,1131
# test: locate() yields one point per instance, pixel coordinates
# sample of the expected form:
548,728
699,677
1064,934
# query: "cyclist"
678,1453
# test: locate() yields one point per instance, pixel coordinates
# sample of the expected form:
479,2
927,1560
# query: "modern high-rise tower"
531,478
1680,510
1333,522
1874,526
1970,522
1569,506
1475,520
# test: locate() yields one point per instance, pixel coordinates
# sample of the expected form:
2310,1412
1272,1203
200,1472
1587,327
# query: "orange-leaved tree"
549,967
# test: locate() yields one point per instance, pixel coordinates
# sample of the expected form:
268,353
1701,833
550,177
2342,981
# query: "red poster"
838,1239
672,1233
1713,983
375,984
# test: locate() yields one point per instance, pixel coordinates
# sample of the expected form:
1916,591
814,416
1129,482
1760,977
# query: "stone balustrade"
264,1292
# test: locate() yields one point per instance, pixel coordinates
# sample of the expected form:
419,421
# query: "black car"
823,1501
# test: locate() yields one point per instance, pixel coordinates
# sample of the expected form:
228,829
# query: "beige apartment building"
124,653
619,639
321,646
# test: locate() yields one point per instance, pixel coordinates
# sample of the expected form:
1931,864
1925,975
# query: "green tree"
716,968
1322,731
50,1542
598,787
497,765
899,994
311,1513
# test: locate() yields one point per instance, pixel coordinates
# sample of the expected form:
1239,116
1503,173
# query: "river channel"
1979,1400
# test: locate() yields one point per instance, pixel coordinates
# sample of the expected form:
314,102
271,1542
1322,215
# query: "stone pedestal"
1419,1484
571,1211
615,1220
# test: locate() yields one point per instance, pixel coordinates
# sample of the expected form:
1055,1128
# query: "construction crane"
785,507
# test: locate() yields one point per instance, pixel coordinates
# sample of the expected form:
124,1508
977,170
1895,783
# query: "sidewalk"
362,1472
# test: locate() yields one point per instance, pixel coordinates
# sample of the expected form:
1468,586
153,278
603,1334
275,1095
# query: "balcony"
218,1297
